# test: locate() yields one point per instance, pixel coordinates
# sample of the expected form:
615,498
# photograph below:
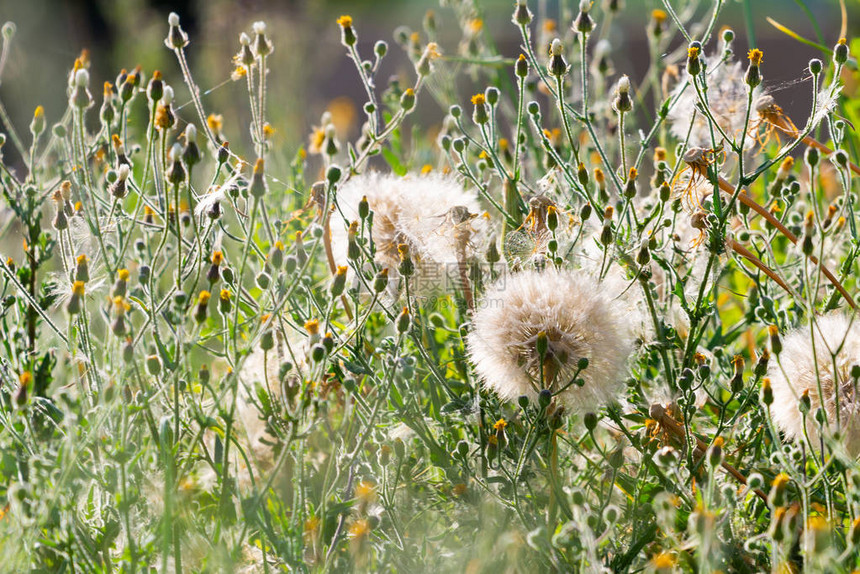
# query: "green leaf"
798,37
394,162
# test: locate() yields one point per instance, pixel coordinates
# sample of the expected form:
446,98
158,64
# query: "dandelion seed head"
556,47
432,214
259,27
244,39
173,19
579,322
727,99
795,374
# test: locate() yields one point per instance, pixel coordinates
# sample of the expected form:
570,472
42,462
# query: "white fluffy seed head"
82,78
173,19
190,133
259,27
122,173
584,6
432,214
802,369
555,48
175,151
623,84
167,96
244,39
579,321
727,99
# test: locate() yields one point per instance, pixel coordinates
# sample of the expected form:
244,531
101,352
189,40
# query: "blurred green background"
309,69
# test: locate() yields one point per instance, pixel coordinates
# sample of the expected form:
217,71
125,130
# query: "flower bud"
258,187
753,74
347,34
622,103
583,22
694,65
522,15
775,342
380,282
521,68
407,100
480,115
766,392
557,63
840,52
176,37
403,321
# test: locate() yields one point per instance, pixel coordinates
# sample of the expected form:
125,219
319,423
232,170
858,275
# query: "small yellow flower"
693,52
123,274
204,296
217,257
663,560
215,122
479,99
755,55
312,327
359,529
781,478
659,16
345,21
365,491
500,425
78,288
225,294
25,378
